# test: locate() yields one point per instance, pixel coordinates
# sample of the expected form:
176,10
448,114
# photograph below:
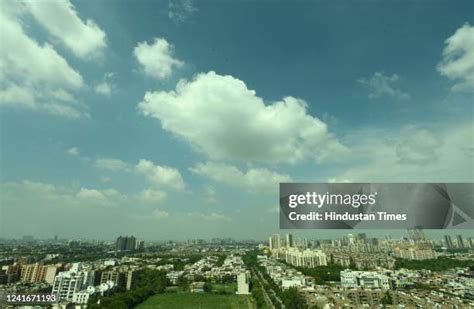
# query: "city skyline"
178,119
331,235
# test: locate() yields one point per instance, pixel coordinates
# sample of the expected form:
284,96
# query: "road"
261,279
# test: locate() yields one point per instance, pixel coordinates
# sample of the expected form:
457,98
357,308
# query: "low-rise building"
366,279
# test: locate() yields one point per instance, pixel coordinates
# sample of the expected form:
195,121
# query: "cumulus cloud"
106,86
91,194
73,151
212,216
160,214
152,196
181,11
395,157
210,194
380,85
105,179
161,176
34,75
219,116
61,20
45,193
419,148
458,59
103,88
112,164
254,180
157,59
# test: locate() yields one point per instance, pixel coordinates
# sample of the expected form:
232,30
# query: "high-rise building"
123,279
460,242
301,258
448,241
470,242
125,243
50,273
416,234
362,238
140,245
69,282
243,283
32,273
275,242
36,273
12,273
289,240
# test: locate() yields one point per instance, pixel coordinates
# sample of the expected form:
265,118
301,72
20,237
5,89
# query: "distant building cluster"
459,242
129,243
276,241
349,272
414,253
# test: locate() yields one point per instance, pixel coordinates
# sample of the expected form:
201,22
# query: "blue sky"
178,119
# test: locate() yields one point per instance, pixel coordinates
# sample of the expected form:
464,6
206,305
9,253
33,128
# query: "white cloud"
210,194
112,164
440,157
161,176
61,20
181,11
92,194
14,93
254,180
458,59
160,214
103,88
34,76
420,147
220,116
212,216
106,86
73,151
105,179
381,85
157,59
152,196
49,194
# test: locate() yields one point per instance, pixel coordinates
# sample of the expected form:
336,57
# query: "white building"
302,258
274,242
292,282
243,284
82,297
173,276
367,279
69,282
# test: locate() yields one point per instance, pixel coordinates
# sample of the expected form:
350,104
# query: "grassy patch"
197,300
219,288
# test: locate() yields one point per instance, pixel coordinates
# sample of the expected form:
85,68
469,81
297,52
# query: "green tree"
293,299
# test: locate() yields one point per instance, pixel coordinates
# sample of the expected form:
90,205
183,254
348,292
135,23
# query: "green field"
224,288
197,300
